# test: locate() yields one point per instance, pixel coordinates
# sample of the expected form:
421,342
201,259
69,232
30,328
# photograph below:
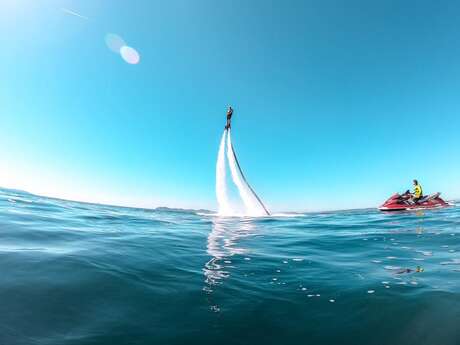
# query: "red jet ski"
402,202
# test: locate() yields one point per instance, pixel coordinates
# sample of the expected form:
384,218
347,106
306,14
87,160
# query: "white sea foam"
225,208
253,207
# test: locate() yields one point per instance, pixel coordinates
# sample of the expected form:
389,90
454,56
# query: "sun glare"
130,55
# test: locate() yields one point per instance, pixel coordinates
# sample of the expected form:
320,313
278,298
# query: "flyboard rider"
229,117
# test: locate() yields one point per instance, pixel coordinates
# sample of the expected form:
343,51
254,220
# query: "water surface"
75,273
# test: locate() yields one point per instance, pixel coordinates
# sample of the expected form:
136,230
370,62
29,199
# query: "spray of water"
221,186
254,206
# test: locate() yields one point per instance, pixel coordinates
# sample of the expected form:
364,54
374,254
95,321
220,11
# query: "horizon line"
169,207
455,200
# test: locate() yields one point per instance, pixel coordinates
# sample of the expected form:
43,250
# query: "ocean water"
75,273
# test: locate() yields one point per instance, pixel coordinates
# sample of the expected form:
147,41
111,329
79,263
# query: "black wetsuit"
229,117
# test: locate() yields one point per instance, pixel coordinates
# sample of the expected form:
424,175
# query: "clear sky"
338,104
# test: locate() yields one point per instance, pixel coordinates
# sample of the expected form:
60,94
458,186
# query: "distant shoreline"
178,209
159,208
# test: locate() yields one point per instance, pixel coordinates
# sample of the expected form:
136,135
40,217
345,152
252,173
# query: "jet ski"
403,202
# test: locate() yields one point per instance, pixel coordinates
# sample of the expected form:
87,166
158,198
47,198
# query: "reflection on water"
419,213
224,242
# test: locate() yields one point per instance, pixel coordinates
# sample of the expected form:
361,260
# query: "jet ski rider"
418,192
229,117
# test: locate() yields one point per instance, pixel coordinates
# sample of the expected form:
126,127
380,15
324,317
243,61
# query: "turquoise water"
75,273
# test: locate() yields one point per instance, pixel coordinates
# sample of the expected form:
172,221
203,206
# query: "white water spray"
221,186
253,205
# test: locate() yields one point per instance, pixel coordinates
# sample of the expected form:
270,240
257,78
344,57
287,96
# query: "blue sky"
338,104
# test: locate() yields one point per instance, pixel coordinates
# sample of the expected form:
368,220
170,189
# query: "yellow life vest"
418,191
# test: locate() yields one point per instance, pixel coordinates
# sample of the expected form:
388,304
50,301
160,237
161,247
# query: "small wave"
451,262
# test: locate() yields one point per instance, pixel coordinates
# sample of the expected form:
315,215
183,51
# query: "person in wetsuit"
418,192
229,117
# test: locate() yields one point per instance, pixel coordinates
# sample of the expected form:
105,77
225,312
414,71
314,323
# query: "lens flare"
114,42
130,55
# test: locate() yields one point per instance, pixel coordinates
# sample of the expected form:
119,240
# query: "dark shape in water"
418,269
